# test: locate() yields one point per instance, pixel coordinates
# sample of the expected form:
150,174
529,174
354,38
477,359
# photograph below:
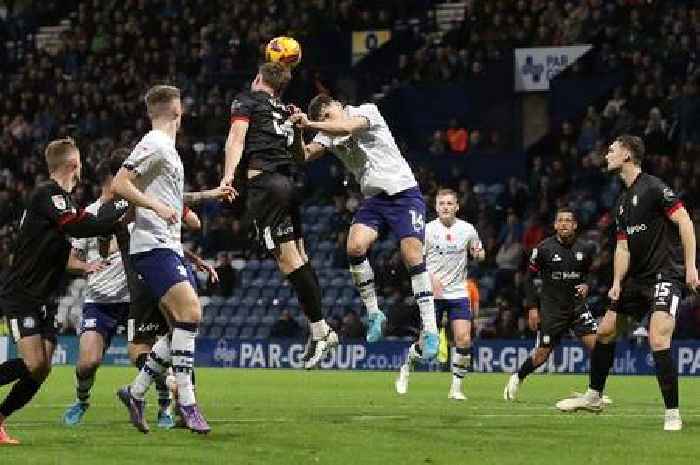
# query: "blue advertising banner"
489,355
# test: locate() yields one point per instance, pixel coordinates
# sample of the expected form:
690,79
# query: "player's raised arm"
344,126
222,192
302,151
234,149
79,223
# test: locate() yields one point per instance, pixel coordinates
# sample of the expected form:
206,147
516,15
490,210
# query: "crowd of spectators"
91,89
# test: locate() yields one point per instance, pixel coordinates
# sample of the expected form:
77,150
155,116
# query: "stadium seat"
215,332
262,332
231,332
247,332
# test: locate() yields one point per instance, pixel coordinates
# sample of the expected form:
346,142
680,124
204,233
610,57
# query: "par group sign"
536,67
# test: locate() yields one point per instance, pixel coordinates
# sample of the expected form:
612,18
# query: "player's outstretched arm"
78,266
218,193
350,125
687,232
123,186
235,142
305,152
202,265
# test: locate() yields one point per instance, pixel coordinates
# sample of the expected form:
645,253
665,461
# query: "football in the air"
285,50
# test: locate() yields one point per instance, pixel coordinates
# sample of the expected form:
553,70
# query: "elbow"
195,225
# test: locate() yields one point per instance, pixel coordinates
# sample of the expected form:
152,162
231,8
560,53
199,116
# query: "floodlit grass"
355,418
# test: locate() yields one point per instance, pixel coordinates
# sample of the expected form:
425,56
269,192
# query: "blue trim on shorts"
457,309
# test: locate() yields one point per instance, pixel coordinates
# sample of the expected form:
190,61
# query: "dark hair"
566,210
112,164
635,145
316,106
275,75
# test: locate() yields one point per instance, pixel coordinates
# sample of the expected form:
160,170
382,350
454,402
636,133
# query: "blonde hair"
158,97
58,152
446,191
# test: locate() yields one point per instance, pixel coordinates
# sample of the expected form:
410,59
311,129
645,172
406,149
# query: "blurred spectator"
457,137
228,277
352,327
286,327
437,143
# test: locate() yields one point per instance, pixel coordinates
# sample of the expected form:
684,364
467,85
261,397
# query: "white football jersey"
109,285
160,175
372,155
447,254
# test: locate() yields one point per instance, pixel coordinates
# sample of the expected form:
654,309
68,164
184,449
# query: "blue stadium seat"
237,320
269,319
215,332
252,265
252,293
262,332
248,301
269,265
231,332
338,281
269,292
234,300
221,320
327,210
247,332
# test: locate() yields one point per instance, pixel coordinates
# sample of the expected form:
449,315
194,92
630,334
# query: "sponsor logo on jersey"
123,203
636,228
90,323
635,200
59,201
565,275
556,258
668,194
579,256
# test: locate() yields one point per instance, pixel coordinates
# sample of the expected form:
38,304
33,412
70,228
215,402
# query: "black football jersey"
642,218
270,133
41,250
561,267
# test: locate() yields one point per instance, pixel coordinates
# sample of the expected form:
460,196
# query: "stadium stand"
80,68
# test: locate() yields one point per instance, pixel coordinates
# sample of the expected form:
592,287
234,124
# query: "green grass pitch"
355,418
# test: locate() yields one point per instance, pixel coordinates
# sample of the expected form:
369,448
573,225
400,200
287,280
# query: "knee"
412,252
605,335
189,310
659,341
39,371
541,355
356,248
463,340
90,365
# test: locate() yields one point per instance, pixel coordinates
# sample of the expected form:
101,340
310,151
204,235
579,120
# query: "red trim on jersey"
185,211
235,118
534,268
621,236
70,217
673,208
